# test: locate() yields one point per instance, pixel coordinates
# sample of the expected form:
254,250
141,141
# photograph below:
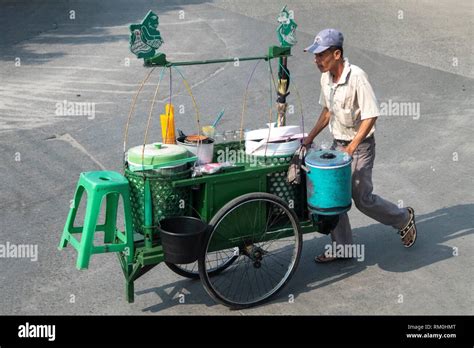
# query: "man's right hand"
302,150
306,144
297,161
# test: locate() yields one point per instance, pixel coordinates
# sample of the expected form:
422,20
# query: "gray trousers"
371,205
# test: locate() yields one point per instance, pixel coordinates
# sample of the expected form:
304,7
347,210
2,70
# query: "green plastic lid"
156,153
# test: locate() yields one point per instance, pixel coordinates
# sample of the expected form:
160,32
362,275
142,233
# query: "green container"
156,154
166,200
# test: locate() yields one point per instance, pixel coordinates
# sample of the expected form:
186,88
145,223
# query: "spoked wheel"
264,236
190,270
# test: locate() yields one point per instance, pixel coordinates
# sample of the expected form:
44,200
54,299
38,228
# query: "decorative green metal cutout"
286,29
145,38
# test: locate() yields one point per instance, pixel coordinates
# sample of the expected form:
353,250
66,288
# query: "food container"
329,185
162,164
168,158
202,147
281,144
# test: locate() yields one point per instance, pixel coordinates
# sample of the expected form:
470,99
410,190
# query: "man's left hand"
348,149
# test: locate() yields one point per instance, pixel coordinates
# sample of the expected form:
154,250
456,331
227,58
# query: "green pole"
148,216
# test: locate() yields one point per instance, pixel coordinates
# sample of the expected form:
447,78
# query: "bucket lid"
327,158
197,140
156,153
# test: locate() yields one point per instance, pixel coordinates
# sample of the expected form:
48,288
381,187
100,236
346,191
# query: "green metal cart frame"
211,196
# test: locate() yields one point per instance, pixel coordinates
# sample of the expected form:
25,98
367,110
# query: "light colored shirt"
349,101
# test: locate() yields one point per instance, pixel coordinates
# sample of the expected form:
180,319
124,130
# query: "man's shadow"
383,247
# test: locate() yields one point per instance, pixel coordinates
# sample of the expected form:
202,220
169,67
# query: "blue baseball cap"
325,39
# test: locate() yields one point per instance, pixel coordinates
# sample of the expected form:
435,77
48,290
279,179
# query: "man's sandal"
323,258
409,228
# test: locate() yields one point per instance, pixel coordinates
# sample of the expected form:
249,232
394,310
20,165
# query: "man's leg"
372,205
342,234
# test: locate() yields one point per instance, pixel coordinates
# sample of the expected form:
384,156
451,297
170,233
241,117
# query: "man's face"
326,60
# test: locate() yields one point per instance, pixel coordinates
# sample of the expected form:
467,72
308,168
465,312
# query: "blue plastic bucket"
329,183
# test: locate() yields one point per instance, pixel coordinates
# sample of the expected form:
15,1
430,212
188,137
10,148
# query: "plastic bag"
210,168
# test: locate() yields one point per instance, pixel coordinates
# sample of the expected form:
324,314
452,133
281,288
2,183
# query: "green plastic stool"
98,185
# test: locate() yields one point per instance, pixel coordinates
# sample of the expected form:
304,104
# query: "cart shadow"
383,247
180,293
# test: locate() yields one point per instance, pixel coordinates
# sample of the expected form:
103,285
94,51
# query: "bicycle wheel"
264,236
188,270
191,270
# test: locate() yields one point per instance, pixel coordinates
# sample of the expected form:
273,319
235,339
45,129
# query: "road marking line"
74,143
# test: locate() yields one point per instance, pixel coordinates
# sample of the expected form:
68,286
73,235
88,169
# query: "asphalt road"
417,52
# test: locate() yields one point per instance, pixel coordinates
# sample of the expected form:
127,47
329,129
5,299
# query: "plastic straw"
218,118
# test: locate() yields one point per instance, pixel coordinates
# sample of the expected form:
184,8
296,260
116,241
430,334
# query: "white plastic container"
256,141
203,151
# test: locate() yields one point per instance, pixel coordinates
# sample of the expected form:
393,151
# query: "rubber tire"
222,212
176,269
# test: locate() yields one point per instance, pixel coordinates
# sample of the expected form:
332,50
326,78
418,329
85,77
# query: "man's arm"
323,121
364,129
369,111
